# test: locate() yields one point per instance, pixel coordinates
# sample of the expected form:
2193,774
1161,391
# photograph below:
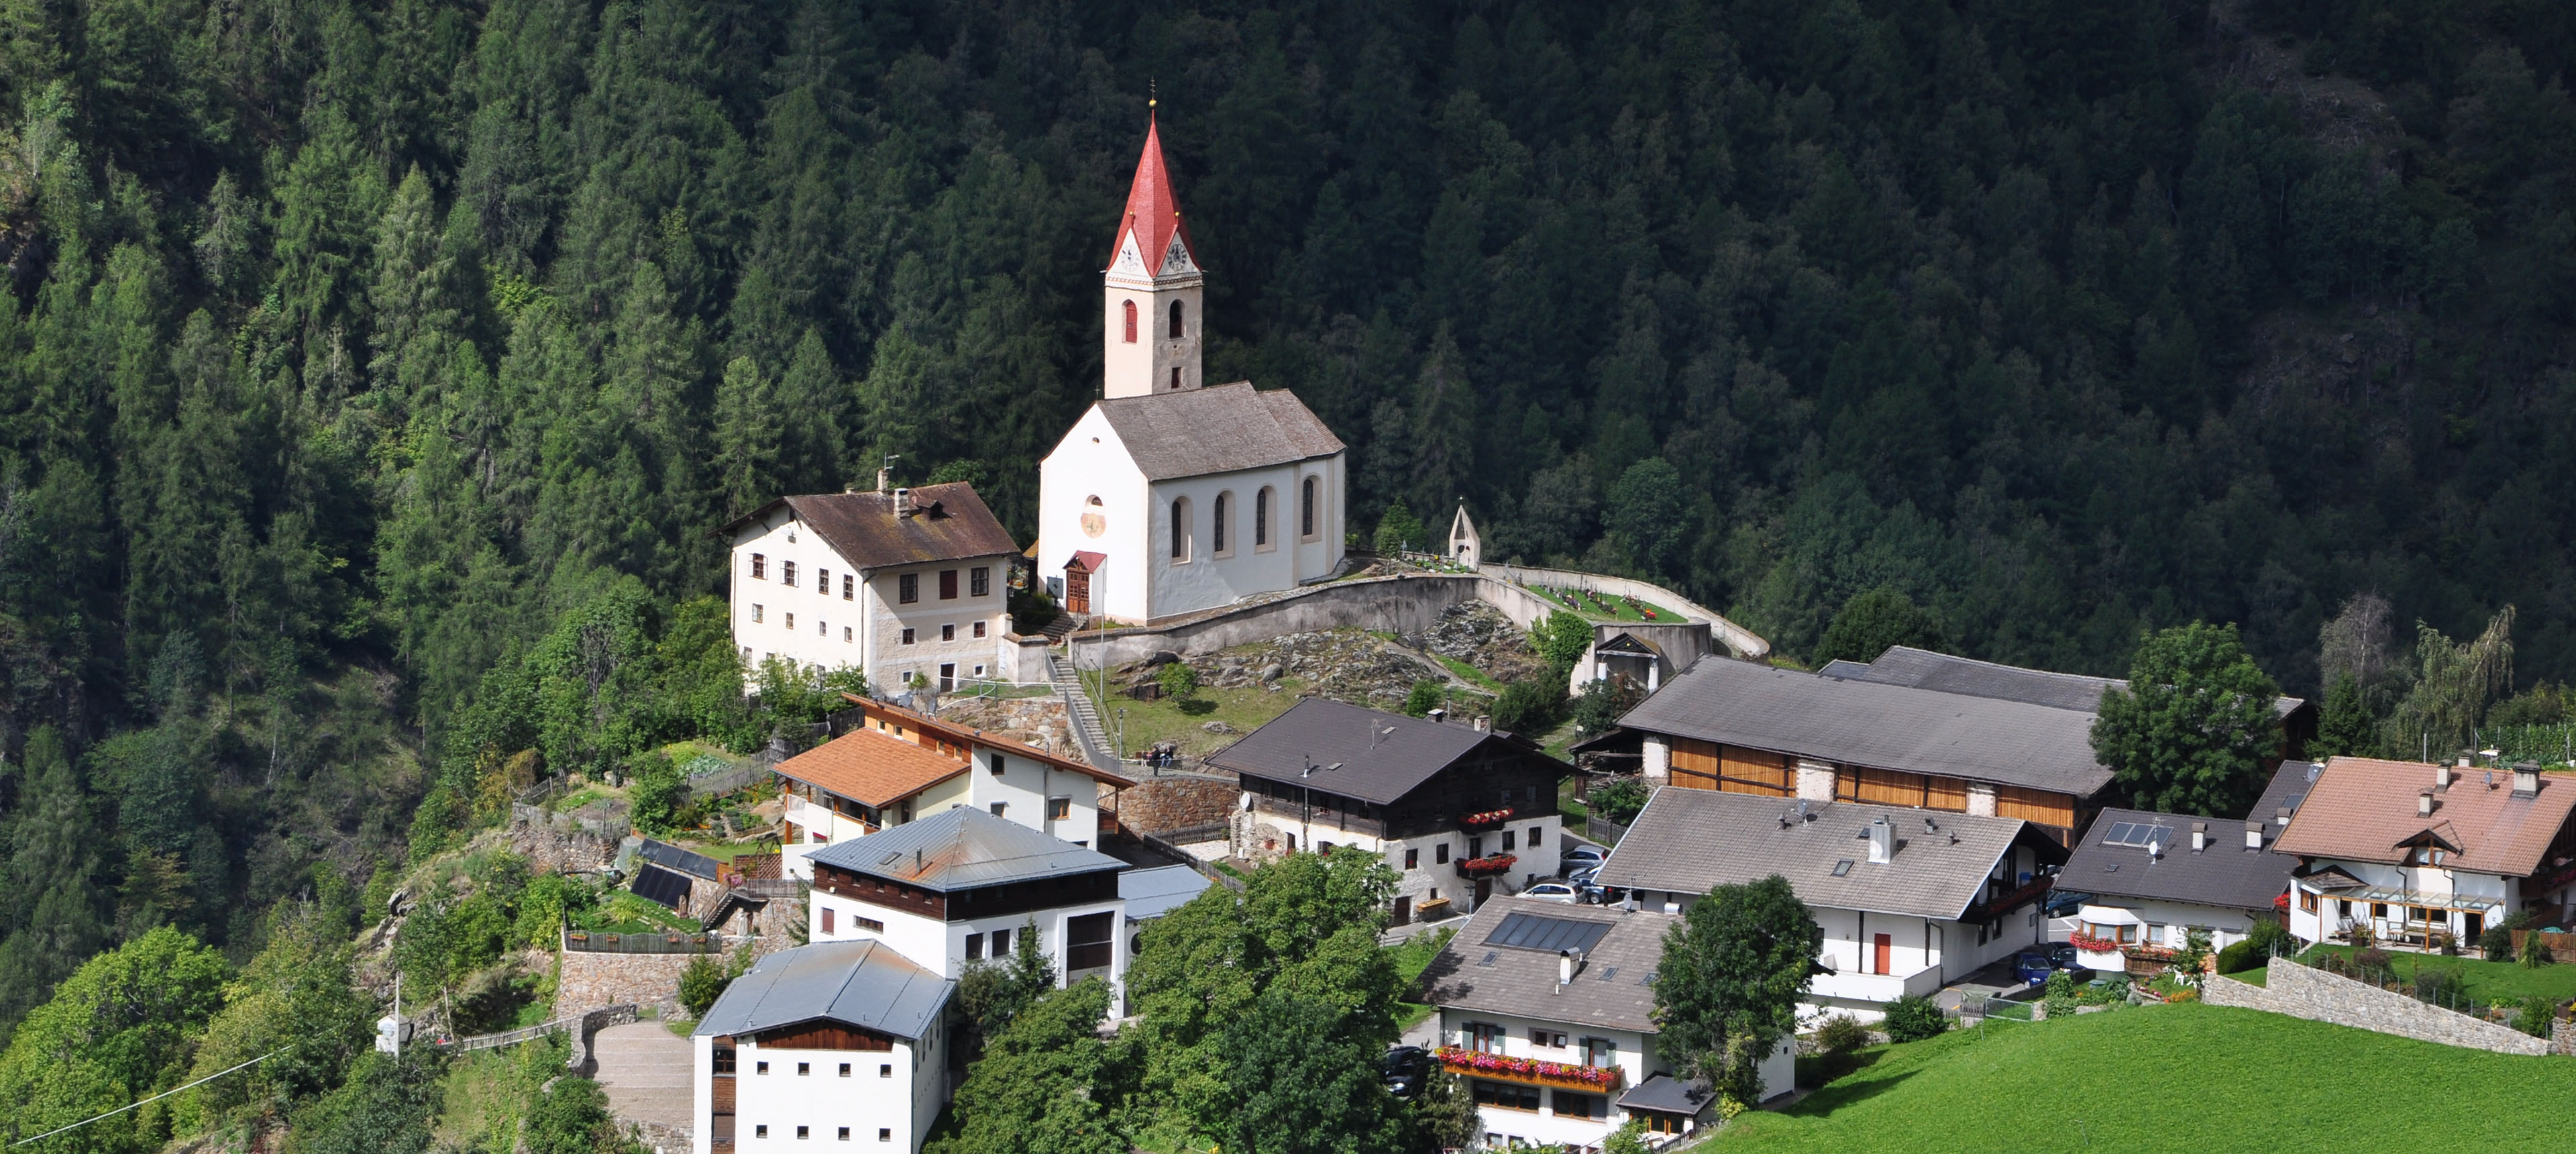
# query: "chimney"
2442,776
1437,716
1882,841
1484,723
903,503
2424,804
2281,815
1564,968
2526,779
2464,759
2199,836
885,480
2253,835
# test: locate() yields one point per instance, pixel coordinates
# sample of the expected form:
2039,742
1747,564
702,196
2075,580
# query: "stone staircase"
1087,730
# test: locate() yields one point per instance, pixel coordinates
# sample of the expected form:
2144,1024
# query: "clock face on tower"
1094,521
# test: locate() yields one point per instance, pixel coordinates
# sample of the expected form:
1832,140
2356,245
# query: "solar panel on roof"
2120,832
1532,932
655,884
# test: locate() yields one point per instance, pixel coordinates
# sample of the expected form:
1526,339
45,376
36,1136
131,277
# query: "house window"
801,1133
1180,529
760,1131
1600,1053
885,1070
979,632
1534,833
1548,1038
1176,378
2307,901
885,1134
759,566
845,1133
1059,808
791,621
979,581
822,628
1412,858
757,612
1507,1096
849,586
1484,1037
845,1069
1000,806
760,1068
907,588
1306,510
974,946
869,924
1001,942
845,634
1507,842
804,1070
827,920
994,760
1129,307
1440,854
823,582
947,584
2128,935
1217,534
1574,1104
724,1060
1261,518
746,655
948,633
2343,907
907,637
1176,320
787,573
2379,911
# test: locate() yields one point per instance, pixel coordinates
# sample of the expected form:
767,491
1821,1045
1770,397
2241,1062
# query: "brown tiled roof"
871,768
970,736
2363,809
952,525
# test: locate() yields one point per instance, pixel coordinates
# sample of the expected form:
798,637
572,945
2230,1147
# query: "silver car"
1553,892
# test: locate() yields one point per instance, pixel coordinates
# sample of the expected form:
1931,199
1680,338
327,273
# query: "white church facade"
1169,496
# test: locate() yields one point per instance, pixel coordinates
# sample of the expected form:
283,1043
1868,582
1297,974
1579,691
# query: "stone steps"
1088,732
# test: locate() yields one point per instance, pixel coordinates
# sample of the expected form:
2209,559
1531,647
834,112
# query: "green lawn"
1185,722
2186,1076
2485,981
1619,609
1412,957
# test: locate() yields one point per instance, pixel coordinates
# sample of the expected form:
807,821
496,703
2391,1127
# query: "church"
1171,496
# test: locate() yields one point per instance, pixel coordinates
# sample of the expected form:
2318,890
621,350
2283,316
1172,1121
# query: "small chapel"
1172,496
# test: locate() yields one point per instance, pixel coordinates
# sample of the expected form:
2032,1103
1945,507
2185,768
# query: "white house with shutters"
1168,496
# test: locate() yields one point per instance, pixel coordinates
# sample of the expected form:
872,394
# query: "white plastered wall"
1092,462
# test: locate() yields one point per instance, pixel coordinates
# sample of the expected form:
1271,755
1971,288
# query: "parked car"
1405,1068
1582,857
2063,903
1553,892
2033,966
2066,957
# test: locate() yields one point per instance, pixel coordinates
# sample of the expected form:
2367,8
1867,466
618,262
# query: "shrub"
1841,1034
657,792
1179,680
1620,798
2535,952
2496,943
2533,1015
701,984
1603,702
1529,707
2240,957
1425,696
2059,996
2268,936
1913,1018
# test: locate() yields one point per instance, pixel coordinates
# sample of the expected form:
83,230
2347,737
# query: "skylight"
1843,868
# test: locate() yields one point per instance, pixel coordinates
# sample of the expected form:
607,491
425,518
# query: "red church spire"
1153,214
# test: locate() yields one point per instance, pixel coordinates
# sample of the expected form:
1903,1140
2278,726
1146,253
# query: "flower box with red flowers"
2092,945
1486,820
1470,1062
1488,866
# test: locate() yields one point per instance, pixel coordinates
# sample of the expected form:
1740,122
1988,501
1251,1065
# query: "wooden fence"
2562,947
588,942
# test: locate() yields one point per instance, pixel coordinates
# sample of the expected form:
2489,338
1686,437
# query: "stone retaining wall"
1155,804
2302,992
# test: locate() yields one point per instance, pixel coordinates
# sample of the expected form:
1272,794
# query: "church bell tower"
1150,295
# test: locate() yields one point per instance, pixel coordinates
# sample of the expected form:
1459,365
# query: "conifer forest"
374,372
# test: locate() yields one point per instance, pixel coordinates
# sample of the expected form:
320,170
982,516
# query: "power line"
154,1098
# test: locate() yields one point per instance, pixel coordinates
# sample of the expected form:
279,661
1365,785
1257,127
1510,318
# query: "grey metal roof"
1689,840
1610,992
962,848
1880,726
1665,1094
1924,669
1151,893
865,984
2225,874
1336,739
1218,429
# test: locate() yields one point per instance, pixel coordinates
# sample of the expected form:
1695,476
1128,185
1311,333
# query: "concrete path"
645,1069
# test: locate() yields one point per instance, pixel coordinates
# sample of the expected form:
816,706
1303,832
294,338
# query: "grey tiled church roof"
1218,429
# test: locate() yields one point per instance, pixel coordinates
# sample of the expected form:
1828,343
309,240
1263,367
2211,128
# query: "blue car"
2033,967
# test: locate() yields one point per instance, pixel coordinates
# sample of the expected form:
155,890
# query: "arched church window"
1130,307
1218,534
1261,518
1180,529
1306,511
1176,320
